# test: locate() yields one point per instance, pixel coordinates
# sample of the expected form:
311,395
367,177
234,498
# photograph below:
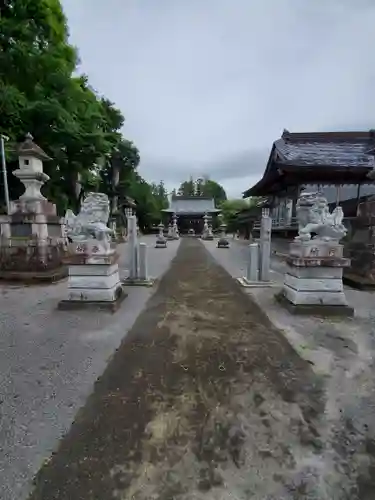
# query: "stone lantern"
32,235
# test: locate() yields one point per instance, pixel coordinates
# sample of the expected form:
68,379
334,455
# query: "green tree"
214,190
229,209
187,188
203,187
40,94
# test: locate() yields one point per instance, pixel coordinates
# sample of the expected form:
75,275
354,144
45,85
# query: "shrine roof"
317,157
186,205
29,148
349,149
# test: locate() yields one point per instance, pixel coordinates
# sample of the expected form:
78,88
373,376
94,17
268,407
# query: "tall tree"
187,188
203,187
40,94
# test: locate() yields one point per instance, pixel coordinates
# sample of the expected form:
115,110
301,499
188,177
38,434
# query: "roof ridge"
328,136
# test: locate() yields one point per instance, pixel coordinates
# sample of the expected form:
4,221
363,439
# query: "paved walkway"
49,361
204,399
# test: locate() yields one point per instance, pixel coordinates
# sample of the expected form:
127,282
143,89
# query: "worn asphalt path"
204,399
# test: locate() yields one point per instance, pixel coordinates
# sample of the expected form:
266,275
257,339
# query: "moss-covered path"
204,399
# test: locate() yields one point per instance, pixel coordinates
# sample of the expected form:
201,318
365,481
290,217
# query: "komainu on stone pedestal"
313,281
93,260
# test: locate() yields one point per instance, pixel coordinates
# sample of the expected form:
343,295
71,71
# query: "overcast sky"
206,86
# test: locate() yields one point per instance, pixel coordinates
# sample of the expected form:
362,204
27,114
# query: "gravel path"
204,400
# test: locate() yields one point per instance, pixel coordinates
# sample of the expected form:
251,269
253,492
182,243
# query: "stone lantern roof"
29,148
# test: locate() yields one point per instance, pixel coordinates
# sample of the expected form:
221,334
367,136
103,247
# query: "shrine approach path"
204,399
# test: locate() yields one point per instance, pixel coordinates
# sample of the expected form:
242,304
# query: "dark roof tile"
330,148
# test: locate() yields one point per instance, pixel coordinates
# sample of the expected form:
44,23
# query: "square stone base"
111,306
314,309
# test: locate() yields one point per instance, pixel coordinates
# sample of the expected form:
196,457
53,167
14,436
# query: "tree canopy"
79,129
204,187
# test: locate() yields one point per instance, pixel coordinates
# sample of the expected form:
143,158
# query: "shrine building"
337,163
190,211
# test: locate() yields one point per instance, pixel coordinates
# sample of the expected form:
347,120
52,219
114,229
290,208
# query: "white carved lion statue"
314,217
91,222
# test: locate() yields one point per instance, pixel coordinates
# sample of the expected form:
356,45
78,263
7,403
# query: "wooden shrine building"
332,161
190,211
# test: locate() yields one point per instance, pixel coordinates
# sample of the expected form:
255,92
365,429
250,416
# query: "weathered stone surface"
317,261
94,281
108,305
315,249
96,294
100,270
314,284
314,272
316,297
314,309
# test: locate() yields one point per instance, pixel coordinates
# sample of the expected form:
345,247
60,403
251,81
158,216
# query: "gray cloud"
207,86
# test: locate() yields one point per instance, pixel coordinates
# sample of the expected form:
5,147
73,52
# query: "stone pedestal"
94,280
32,244
313,280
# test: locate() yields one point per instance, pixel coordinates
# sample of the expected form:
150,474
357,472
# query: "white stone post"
134,250
253,262
143,271
265,247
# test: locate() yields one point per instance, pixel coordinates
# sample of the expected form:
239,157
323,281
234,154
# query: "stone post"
143,272
253,262
134,250
265,247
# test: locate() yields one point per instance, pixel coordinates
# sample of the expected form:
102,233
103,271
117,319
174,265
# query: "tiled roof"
332,148
193,205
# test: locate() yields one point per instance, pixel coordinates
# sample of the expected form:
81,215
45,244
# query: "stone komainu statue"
314,217
91,221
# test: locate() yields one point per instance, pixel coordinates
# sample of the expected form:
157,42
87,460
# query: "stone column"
143,272
133,242
252,263
265,247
